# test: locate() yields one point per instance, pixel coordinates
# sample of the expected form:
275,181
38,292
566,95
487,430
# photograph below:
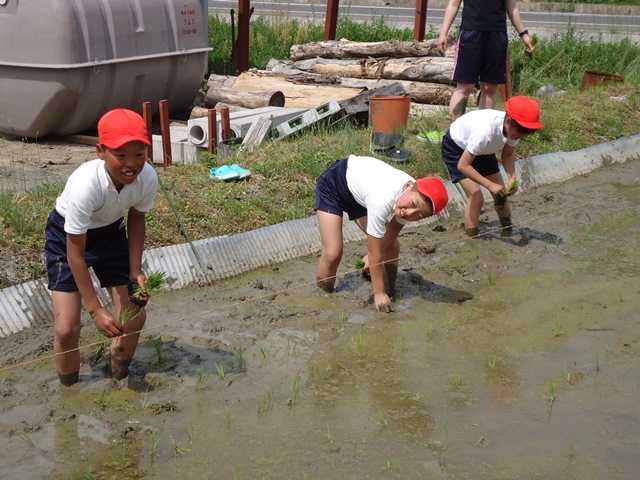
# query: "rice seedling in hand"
155,283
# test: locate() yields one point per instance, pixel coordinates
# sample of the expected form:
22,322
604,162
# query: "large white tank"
64,63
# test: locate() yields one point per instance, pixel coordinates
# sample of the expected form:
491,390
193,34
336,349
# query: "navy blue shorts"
333,195
107,251
481,56
485,165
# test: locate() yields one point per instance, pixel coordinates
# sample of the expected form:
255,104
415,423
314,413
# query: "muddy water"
506,358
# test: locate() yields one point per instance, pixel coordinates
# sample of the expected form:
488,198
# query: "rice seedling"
567,374
359,343
403,343
456,380
263,352
620,297
240,356
292,347
296,389
237,475
177,448
380,419
325,372
590,230
439,446
448,323
329,434
552,395
127,315
121,464
492,362
265,403
188,430
226,417
358,264
572,447
430,330
511,353
340,321
154,444
491,278
481,440
220,370
157,345
557,327
398,298
203,376
387,464
597,362
314,325
156,282
26,438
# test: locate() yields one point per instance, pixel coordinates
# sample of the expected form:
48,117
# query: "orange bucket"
389,117
389,114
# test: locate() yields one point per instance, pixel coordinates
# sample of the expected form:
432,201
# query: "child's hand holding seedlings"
106,322
513,186
143,287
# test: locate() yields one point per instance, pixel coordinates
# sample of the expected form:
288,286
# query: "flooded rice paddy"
506,358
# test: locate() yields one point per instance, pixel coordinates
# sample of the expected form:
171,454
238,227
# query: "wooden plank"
302,96
257,132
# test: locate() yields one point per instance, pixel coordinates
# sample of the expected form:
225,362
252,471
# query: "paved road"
544,24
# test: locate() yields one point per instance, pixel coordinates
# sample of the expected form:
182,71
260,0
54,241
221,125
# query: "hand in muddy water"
107,323
500,198
383,303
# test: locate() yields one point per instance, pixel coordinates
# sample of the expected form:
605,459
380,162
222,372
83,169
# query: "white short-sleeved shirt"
90,199
480,132
376,186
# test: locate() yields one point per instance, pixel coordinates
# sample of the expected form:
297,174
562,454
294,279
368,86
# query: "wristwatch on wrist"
523,33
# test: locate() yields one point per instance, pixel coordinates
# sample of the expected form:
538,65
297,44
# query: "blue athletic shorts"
333,195
485,165
107,251
481,56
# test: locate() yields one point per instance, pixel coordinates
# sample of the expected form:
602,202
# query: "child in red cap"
87,229
469,150
381,200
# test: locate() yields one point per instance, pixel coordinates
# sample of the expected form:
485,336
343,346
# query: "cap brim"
122,140
531,125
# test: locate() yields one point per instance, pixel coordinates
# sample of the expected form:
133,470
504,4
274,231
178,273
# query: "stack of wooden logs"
319,72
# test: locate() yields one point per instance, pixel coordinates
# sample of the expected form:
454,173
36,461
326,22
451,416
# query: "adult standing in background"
481,51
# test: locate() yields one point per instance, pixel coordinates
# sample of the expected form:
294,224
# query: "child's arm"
136,231
514,16
380,250
464,165
449,16
509,163
106,322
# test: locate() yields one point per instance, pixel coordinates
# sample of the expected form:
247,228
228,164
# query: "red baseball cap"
525,111
120,126
434,190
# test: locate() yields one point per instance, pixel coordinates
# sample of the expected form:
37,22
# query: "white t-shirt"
480,132
90,199
376,186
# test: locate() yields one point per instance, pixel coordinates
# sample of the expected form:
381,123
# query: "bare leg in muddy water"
475,202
